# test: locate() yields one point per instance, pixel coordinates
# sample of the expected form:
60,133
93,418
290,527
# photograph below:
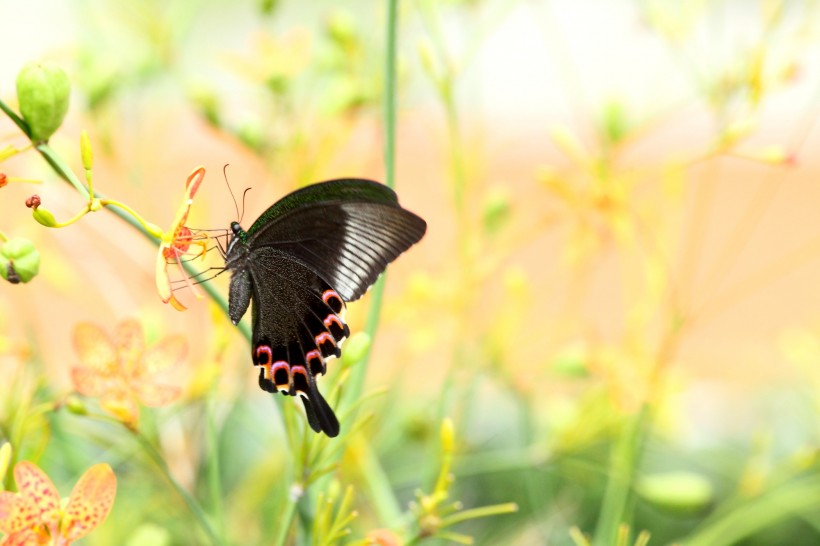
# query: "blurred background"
615,303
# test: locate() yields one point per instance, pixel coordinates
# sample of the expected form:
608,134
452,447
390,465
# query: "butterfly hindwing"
296,326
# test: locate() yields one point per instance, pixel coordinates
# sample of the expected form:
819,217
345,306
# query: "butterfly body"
299,263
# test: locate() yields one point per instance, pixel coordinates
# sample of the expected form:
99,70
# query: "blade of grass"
758,513
623,461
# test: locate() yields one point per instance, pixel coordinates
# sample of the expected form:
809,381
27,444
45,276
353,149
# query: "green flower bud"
682,491
44,217
356,347
5,459
19,260
85,151
75,405
496,209
342,30
43,92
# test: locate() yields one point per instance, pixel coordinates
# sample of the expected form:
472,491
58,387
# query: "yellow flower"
176,243
34,515
119,370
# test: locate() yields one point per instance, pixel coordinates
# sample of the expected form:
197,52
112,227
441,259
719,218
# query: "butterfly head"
238,232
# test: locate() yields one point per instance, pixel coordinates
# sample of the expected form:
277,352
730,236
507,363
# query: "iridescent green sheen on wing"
340,190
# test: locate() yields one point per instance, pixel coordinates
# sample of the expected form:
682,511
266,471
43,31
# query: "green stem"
376,483
622,464
193,506
379,489
758,513
355,383
482,512
287,520
390,91
16,119
214,468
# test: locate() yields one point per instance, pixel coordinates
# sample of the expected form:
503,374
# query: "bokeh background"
616,297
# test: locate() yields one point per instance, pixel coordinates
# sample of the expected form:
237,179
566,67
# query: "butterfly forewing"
347,231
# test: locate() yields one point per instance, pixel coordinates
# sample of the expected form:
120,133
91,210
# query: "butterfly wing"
297,324
345,230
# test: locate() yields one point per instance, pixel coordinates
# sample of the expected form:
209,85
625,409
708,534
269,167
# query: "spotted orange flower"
35,516
118,369
176,244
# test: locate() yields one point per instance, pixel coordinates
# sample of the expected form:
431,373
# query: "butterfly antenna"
225,176
244,193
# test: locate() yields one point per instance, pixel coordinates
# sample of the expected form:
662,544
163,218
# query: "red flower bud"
33,202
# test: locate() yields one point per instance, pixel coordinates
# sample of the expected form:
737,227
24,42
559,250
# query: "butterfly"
303,259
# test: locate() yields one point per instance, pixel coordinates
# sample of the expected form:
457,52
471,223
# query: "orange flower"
176,243
34,516
118,371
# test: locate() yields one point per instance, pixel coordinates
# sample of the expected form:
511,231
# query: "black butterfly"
308,254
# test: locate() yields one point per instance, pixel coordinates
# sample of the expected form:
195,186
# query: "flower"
118,369
176,243
35,515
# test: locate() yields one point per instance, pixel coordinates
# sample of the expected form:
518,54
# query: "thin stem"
390,92
287,521
16,119
622,466
193,505
482,512
357,375
214,467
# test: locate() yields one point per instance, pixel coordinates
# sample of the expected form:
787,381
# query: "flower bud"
447,436
44,217
43,92
682,491
496,209
356,347
19,260
75,405
5,458
85,151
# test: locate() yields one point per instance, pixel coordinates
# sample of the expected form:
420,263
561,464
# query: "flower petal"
95,348
129,340
121,404
191,186
11,518
26,537
90,502
36,487
154,395
161,274
90,382
171,351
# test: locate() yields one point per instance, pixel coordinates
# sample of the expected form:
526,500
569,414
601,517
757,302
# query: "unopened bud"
43,92
5,459
447,435
85,151
44,217
356,347
75,405
19,260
